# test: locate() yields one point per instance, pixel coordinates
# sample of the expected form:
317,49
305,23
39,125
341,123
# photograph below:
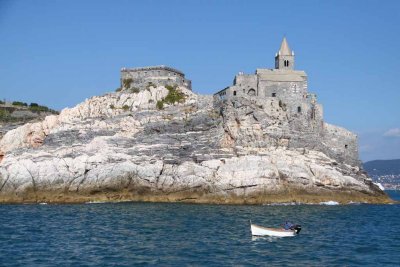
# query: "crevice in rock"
2,186
241,187
33,183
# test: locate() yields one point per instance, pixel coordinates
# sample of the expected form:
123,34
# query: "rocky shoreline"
283,197
121,147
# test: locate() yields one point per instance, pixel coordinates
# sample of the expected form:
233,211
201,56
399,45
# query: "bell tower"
284,59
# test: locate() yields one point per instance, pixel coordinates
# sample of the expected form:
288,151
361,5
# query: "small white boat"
257,230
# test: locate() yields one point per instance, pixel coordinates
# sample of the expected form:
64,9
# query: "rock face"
121,147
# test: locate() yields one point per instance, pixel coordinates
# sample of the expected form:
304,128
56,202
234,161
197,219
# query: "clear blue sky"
58,53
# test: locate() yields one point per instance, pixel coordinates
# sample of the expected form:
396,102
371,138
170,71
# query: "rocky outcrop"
121,147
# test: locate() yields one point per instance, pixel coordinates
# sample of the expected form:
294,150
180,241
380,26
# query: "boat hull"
263,231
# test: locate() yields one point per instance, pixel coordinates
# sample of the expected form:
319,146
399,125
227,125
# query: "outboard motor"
296,227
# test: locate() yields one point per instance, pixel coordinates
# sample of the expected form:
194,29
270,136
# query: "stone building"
283,82
288,87
154,75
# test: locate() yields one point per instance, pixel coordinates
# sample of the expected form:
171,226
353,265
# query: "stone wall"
148,76
342,142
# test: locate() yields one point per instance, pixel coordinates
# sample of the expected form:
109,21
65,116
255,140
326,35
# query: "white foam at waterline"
380,186
283,204
96,202
329,203
109,201
42,203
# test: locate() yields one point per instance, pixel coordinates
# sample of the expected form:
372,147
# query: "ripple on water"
183,234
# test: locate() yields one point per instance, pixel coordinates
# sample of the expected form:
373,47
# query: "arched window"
251,92
234,92
345,146
298,109
273,94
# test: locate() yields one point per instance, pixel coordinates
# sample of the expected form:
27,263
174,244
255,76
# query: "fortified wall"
135,78
287,90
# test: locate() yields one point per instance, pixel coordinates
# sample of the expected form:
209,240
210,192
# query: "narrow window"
234,92
345,146
298,109
273,94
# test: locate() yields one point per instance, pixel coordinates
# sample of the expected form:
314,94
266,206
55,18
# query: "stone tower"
284,59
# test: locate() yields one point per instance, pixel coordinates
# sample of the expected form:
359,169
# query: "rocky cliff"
120,146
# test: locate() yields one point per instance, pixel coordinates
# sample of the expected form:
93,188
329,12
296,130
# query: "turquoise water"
127,234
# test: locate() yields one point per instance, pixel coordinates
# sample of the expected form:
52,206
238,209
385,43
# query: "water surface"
126,234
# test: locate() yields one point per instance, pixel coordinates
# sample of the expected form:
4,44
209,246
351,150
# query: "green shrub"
18,103
151,101
134,90
112,106
118,89
173,95
125,107
170,87
160,104
38,108
33,105
2,102
127,82
4,114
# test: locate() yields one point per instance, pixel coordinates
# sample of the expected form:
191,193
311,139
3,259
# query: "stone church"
288,87
283,82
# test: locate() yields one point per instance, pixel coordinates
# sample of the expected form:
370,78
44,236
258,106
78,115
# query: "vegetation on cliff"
20,111
174,96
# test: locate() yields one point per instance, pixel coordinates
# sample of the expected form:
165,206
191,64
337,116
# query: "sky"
58,53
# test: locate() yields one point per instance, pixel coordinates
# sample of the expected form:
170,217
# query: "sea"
173,234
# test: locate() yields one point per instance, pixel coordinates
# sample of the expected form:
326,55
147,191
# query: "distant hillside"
20,111
382,167
386,172
14,114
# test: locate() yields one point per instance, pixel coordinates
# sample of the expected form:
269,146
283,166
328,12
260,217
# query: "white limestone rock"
187,148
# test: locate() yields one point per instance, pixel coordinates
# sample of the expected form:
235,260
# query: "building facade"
283,82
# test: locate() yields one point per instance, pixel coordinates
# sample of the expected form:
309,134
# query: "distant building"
154,75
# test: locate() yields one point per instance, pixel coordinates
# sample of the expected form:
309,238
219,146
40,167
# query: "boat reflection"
265,238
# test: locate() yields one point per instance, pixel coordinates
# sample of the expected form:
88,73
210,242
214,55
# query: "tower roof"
285,50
